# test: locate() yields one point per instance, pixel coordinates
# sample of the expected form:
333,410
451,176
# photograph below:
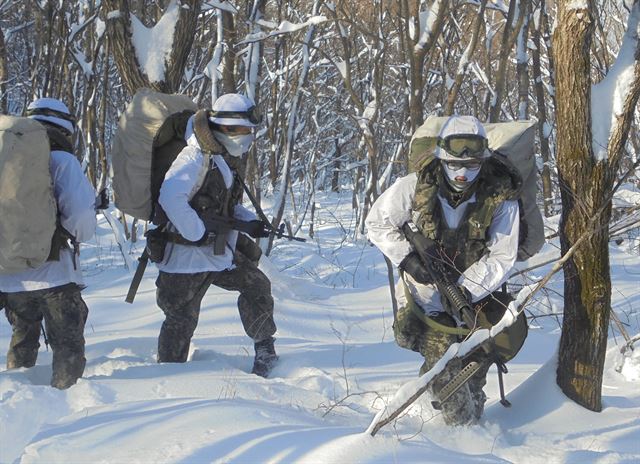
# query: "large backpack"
150,135
27,203
513,140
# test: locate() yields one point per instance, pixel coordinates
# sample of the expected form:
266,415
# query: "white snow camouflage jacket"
393,209
181,183
75,198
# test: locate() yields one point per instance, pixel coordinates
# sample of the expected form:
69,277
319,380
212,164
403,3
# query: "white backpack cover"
516,141
27,203
132,148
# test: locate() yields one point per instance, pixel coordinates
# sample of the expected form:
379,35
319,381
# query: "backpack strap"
206,140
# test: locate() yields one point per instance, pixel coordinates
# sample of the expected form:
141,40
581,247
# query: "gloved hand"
255,228
413,265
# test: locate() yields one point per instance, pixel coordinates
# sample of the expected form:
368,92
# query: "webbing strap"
426,319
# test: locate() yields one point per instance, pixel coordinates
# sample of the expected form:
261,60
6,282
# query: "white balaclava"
233,110
460,178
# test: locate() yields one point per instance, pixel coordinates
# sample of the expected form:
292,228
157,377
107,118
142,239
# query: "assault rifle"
215,224
217,227
458,306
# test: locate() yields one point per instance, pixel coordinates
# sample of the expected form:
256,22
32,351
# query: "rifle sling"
420,314
255,203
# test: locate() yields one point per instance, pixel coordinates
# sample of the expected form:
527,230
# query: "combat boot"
266,357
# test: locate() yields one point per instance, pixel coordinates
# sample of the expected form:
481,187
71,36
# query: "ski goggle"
468,164
468,144
250,115
235,130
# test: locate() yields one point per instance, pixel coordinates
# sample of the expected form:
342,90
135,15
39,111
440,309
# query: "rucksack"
149,137
514,141
27,203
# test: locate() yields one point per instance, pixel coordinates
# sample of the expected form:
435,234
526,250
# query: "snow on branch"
285,27
608,97
427,21
153,45
413,389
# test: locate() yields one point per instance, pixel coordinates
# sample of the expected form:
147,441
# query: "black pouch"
156,243
248,247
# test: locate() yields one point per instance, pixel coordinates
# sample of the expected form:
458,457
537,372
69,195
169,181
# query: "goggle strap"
52,113
249,114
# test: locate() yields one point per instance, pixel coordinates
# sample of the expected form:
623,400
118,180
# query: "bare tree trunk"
465,60
119,32
522,66
118,20
509,36
584,187
544,126
228,67
417,48
4,74
292,121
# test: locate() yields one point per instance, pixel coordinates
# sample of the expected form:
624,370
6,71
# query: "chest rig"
213,199
467,243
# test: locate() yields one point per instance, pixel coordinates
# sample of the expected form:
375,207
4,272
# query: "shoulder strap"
254,202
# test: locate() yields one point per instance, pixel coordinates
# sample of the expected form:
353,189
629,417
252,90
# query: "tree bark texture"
509,37
543,121
117,17
585,186
465,60
416,55
3,75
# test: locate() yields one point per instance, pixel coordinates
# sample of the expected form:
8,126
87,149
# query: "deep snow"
338,366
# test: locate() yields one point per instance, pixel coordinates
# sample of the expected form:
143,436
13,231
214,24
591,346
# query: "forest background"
342,86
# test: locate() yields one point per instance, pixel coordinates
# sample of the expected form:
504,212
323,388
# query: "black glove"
413,265
255,228
102,200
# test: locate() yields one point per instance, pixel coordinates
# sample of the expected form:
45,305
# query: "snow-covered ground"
338,365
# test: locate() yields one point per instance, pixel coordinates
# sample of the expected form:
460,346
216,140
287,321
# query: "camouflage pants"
466,406
180,295
65,314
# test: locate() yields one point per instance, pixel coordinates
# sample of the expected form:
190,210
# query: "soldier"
52,291
196,256
464,203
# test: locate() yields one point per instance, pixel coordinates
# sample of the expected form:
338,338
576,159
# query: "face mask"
236,145
461,178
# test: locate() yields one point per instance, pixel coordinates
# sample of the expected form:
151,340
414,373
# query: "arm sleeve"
387,216
490,271
74,196
176,192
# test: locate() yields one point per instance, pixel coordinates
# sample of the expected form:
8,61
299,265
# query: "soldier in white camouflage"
202,248
465,202
51,292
